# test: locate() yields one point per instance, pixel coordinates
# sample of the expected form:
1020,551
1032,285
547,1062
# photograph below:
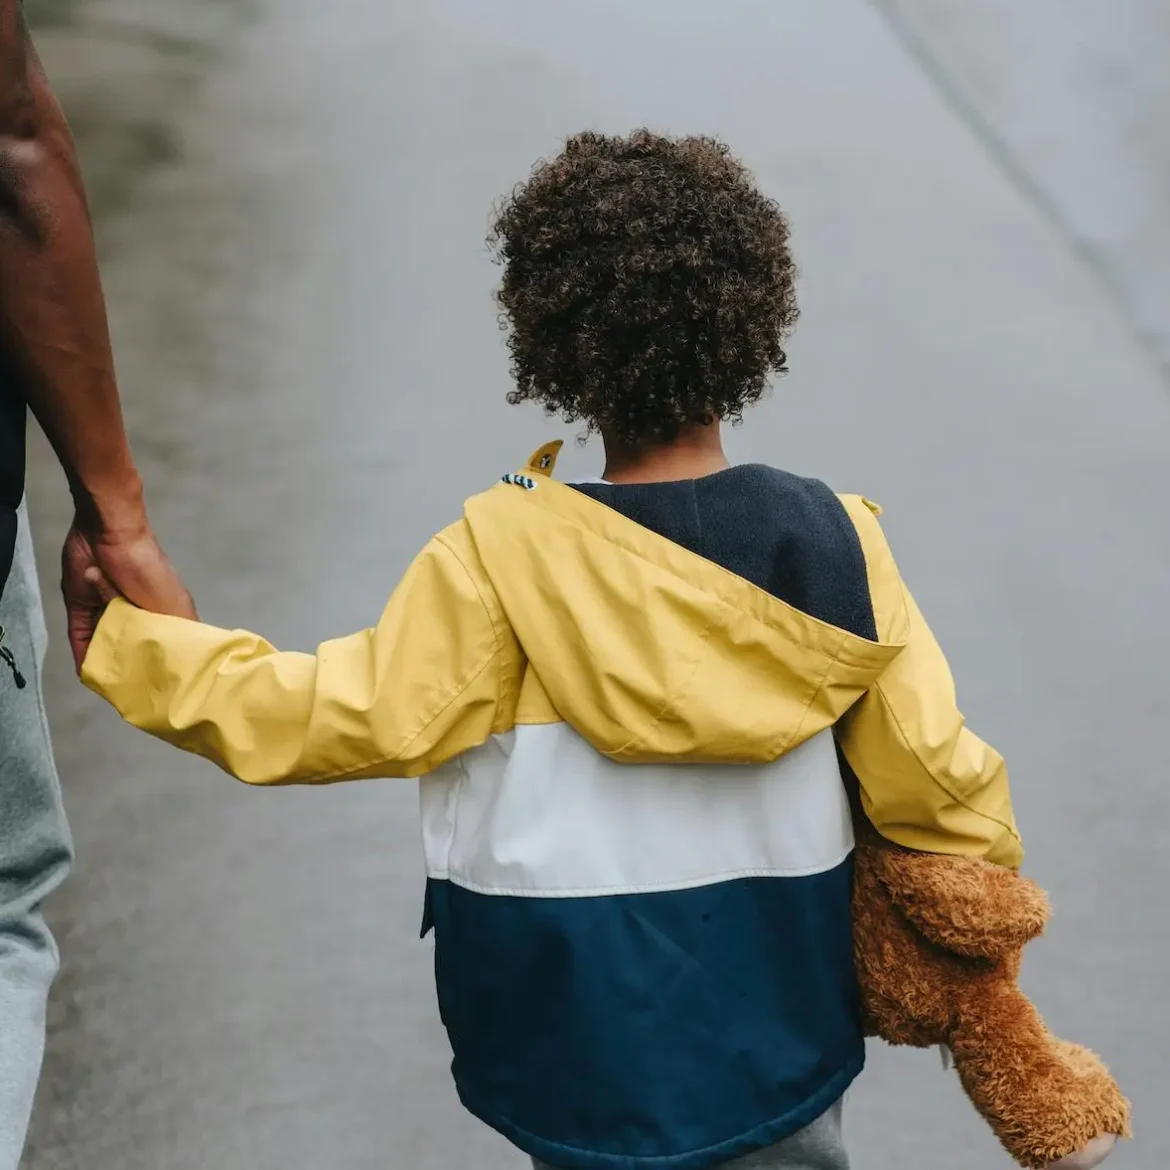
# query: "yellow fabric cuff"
100,668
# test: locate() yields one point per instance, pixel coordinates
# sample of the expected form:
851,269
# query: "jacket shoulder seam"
508,680
403,751
873,543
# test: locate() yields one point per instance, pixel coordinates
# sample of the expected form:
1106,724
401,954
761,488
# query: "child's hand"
104,592
1091,1156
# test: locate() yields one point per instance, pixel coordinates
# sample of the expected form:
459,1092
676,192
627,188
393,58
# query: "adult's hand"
125,551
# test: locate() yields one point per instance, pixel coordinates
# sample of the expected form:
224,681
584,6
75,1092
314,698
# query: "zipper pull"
10,659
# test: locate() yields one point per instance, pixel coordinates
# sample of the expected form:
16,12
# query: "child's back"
657,963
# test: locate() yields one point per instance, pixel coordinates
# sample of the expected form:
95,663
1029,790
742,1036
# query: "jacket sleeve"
430,680
927,782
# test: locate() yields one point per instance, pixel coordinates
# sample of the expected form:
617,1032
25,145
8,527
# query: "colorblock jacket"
636,833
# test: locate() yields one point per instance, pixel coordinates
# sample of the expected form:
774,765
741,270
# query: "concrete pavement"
314,380
1075,101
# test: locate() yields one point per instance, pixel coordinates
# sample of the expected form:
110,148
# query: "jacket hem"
759,1137
571,893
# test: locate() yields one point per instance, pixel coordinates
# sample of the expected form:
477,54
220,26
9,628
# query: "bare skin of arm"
55,339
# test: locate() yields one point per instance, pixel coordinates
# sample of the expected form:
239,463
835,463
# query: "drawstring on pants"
10,659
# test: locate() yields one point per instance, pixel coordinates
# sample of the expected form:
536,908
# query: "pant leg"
35,850
819,1147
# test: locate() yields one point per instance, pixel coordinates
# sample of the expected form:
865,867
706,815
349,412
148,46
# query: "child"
638,966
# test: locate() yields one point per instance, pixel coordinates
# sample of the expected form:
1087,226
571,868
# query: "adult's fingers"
141,572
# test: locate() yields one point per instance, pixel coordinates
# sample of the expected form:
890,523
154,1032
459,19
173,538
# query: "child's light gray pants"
819,1147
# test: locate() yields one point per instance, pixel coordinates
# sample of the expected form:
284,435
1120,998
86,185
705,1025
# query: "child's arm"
426,683
927,782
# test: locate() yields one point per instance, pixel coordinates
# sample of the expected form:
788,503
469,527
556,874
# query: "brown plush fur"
938,942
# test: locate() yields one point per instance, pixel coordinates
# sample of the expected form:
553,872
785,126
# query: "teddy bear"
938,943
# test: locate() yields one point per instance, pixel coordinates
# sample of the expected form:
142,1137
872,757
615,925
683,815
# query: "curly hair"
647,285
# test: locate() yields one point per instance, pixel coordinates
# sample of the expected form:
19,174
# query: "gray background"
291,198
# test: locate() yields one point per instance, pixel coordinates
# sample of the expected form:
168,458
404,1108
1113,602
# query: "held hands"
101,561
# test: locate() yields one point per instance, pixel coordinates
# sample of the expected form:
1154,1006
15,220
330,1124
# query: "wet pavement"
292,199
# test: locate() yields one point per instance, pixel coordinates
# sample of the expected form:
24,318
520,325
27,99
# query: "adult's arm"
55,339
52,313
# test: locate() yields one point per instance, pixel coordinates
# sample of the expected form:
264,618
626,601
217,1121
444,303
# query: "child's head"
647,285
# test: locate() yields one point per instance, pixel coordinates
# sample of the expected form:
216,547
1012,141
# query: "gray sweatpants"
819,1147
35,850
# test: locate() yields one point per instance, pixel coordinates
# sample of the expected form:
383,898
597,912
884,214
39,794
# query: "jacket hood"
647,650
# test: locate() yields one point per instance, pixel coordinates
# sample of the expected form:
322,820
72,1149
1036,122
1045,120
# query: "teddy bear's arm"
964,905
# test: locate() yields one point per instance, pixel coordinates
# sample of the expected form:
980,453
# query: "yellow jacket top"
541,605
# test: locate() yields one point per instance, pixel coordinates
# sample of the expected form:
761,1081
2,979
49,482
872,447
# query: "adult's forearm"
53,330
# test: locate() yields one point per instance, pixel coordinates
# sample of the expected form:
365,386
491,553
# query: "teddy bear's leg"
1045,1099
